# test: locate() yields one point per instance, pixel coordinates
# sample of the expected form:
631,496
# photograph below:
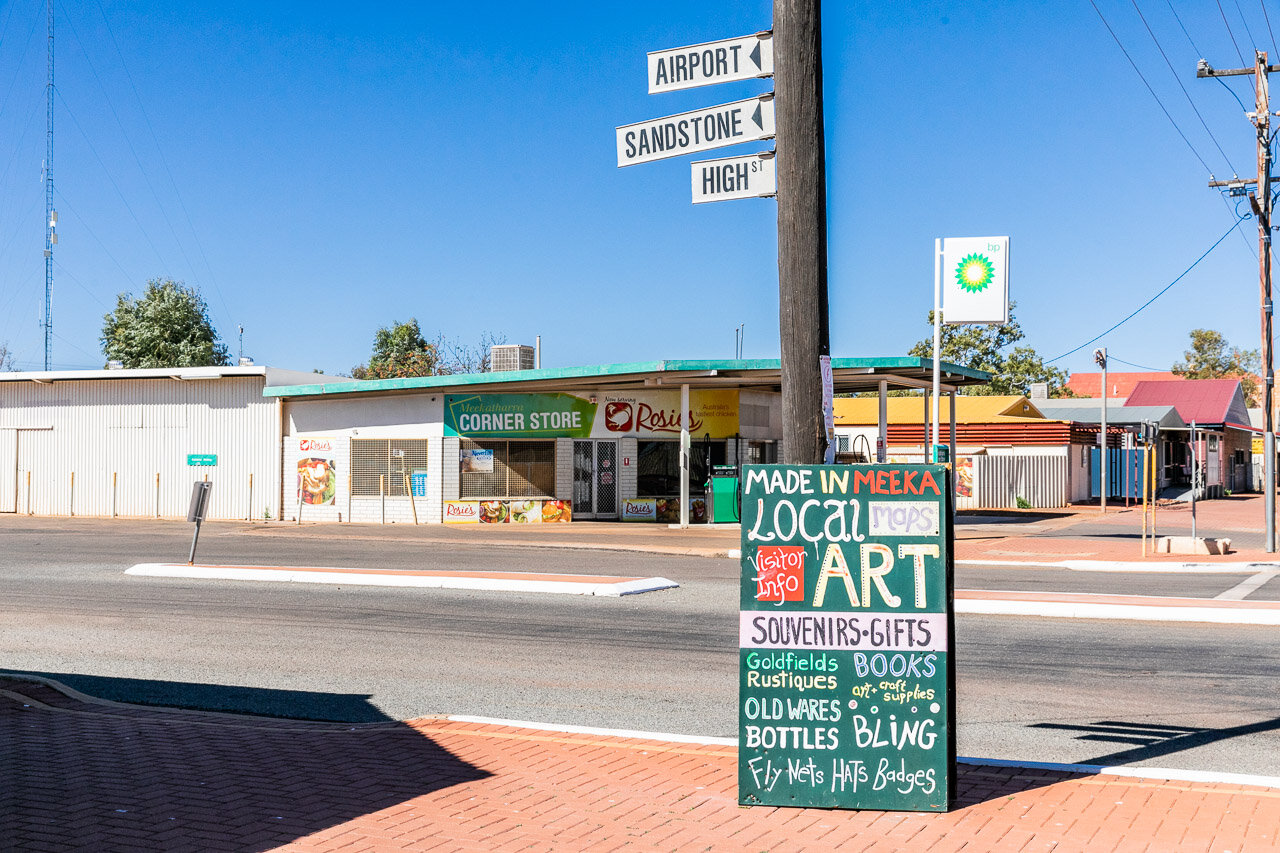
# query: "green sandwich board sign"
846,691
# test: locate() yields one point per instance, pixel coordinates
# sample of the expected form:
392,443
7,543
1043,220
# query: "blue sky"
319,170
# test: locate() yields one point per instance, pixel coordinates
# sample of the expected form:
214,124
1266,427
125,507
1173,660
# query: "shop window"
378,463
507,469
658,466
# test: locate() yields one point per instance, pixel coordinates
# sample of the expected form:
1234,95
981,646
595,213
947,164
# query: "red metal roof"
1205,401
1119,385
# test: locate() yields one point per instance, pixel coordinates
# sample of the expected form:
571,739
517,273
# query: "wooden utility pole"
1260,201
802,226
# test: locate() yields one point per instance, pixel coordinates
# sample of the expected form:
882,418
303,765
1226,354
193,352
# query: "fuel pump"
724,490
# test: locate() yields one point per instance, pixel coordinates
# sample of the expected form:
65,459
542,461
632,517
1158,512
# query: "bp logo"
974,273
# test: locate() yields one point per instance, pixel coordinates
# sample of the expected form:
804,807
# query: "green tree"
989,348
1211,358
167,327
400,351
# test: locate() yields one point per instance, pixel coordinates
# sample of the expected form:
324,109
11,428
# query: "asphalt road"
1165,694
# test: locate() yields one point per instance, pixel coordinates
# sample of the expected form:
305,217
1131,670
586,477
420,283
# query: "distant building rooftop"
1119,385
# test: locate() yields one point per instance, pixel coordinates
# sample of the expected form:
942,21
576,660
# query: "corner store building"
605,439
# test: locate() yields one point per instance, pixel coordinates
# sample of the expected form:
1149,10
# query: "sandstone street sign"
699,130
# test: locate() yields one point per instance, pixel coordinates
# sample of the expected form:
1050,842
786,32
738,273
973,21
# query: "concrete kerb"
1165,774
488,581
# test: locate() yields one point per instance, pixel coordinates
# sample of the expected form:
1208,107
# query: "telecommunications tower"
50,215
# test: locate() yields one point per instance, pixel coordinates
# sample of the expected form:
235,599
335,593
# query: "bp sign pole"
802,226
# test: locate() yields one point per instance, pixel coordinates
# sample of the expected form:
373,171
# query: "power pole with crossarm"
1260,201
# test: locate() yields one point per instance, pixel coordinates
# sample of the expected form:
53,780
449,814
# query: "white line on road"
1121,566
337,576
1140,612
1248,586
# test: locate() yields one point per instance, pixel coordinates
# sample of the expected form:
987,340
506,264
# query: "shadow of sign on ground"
86,775
1153,740
229,698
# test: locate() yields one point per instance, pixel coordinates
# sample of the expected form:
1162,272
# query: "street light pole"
1100,356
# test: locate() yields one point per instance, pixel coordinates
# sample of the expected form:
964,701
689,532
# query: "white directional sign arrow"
740,58
748,176
700,130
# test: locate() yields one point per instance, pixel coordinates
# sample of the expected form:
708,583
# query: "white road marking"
1248,586
501,584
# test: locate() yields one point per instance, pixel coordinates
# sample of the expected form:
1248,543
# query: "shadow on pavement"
982,783
261,701
87,775
1153,740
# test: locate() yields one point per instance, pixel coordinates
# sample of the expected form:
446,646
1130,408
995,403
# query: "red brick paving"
93,776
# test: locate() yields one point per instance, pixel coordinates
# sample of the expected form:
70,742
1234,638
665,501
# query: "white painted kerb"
337,576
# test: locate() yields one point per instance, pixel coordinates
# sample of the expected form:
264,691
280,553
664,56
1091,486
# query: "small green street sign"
846,692
202,459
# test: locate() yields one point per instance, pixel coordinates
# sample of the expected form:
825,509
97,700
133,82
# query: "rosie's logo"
618,417
623,416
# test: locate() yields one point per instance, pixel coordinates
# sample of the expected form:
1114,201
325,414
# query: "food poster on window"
846,675
317,471
964,477
639,509
606,414
514,511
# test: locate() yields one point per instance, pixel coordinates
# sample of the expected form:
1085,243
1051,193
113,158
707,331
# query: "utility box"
723,495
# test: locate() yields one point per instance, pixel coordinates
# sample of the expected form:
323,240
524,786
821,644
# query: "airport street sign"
723,61
699,130
747,176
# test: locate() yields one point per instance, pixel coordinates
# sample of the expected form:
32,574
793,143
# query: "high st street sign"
745,176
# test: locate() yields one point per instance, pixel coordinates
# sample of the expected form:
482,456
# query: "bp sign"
846,677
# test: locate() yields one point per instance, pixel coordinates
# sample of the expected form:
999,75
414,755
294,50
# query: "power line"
1245,21
1183,28
1227,24
1200,53
1149,89
1267,18
1160,48
1152,299
1112,357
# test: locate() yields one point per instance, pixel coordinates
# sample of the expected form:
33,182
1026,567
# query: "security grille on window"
379,461
521,469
